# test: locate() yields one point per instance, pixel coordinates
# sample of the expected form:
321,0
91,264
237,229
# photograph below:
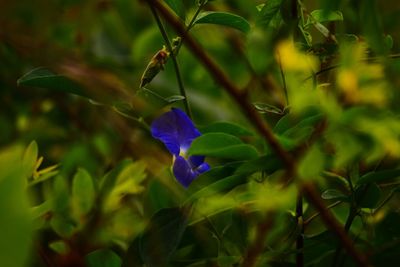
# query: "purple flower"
176,131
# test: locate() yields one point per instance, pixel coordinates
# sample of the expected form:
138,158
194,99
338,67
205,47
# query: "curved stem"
140,120
174,60
192,21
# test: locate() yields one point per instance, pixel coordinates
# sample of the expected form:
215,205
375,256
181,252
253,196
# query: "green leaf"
29,159
286,143
312,164
162,236
225,19
108,181
268,11
214,175
60,196
267,108
64,227
220,186
83,194
178,7
43,177
388,41
268,164
333,194
128,182
307,123
222,145
379,176
59,246
285,125
320,15
15,218
287,133
368,196
174,98
39,214
103,258
157,196
226,127
44,78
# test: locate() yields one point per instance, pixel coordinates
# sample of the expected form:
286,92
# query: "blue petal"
202,168
175,130
183,172
185,128
196,161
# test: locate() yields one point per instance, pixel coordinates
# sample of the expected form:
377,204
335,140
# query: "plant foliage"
278,120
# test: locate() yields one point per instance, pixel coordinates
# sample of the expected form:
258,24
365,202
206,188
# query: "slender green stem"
217,234
193,20
174,60
386,200
338,257
140,120
191,24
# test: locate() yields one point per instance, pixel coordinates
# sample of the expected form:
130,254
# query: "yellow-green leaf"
225,19
83,194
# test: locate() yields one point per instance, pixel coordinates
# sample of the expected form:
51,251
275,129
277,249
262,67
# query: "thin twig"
174,60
